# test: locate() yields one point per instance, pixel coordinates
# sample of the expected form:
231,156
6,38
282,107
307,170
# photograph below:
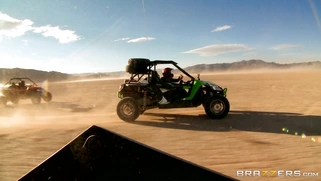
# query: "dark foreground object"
98,154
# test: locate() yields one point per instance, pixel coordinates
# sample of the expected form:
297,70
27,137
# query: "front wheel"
128,109
36,99
217,107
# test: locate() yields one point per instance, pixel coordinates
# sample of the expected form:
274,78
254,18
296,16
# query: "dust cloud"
270,111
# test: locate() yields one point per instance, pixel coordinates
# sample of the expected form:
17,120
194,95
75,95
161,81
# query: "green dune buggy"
145,90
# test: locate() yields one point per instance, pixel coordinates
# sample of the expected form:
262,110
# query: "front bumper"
119,95
225,92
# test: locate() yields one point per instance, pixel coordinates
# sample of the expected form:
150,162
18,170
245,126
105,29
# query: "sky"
82,36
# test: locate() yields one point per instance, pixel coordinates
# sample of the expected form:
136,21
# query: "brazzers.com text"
275,173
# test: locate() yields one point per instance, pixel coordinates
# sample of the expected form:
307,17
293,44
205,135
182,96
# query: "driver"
177,93
22,84
168,76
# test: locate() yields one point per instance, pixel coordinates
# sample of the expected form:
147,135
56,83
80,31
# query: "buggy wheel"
4,101
36,99
128,109
47,97
217,107
15,100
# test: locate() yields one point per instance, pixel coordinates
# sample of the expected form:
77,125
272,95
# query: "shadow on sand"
72,107
269,122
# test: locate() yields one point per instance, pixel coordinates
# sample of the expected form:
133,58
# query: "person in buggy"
168,76
22,84
177,92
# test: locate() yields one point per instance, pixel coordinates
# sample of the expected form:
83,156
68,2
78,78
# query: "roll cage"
12,80
152,75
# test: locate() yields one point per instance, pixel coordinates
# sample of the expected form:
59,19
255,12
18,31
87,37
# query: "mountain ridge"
253,64
244,65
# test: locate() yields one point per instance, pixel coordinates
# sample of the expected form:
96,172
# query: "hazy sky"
73,36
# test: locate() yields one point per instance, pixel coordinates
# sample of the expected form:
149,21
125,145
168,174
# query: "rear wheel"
3,101
128,109
15,99
217,107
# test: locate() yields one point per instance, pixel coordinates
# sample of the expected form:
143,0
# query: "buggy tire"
15,100
128,109
217,107
130,69
36,99
134,61
3,101
137,66
47,97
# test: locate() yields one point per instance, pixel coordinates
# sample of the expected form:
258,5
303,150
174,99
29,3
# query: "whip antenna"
146,30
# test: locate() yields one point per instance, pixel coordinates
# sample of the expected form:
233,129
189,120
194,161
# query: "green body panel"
196,87
197,84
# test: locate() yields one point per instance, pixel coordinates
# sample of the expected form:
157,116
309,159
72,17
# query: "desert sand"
249,138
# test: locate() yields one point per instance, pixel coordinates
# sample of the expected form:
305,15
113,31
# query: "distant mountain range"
245,65
248,65
35,75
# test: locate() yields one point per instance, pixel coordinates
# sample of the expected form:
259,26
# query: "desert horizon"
274,124
244,66
257,65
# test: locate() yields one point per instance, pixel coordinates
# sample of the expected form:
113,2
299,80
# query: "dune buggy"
24,88
145,90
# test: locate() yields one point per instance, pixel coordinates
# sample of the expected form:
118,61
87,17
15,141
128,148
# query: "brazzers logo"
275,173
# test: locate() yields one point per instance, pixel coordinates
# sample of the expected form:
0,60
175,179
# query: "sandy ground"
249,138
